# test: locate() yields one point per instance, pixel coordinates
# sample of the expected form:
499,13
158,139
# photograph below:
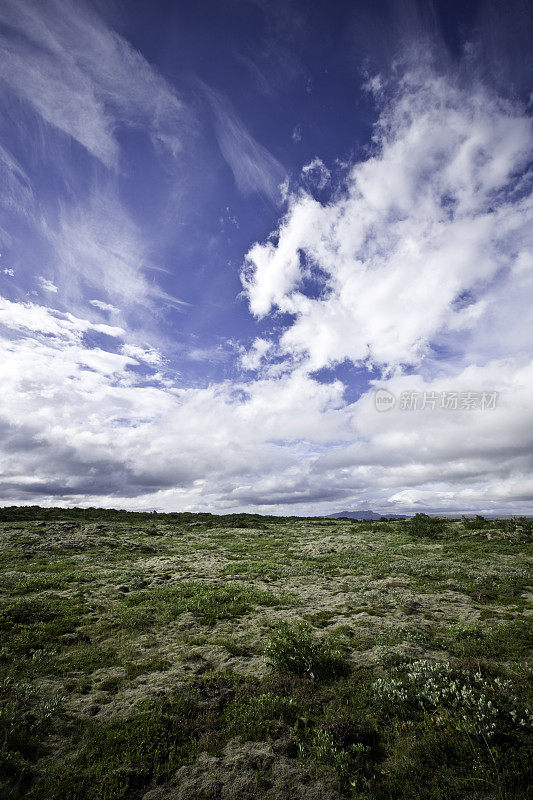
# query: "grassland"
194,657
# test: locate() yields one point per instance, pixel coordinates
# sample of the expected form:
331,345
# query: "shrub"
501,639
519,527
477,705
425,526
476,523
293,648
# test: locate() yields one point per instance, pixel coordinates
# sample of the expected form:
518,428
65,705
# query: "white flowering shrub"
479,705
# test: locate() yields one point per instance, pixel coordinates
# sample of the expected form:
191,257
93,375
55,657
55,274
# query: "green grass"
143,609
362,655
29,624
372,746
505,640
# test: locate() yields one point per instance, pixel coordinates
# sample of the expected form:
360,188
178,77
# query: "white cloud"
146,354
253,167
316,174
98,428
65,72
48,322
424,248
8,271
97,245
16,193
252,358
104,306
83,78
46,285
273,268
79,426
437,214
401,448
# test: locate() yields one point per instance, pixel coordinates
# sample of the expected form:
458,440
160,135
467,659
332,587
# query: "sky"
267,255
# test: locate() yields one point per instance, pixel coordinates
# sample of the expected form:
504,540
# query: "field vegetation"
196,657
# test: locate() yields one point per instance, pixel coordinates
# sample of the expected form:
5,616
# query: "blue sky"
224,225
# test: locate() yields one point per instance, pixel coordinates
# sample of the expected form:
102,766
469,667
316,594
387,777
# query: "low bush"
26,722
293,648
424,526
521,527
477,705
476,523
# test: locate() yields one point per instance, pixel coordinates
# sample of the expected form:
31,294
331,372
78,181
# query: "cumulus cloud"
421,232
423,249
147,354
441,453
251,359
86,424
48,322
80,425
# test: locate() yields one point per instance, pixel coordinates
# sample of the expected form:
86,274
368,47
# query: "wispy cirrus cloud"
16,193
274,62
254,168
83,78
67,77
97,245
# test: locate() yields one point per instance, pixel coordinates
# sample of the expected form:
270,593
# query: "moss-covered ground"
195,657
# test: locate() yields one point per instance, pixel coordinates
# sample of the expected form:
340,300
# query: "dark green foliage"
372,745
293,648
208,603
476,523
517,526
30,624
424,526
512,639
32,513
26,722
115,759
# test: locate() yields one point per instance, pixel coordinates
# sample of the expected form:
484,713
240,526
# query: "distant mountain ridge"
363,515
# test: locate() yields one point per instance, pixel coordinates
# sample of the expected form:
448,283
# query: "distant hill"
363,515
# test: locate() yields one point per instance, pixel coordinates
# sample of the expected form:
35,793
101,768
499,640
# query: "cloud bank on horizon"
197,307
